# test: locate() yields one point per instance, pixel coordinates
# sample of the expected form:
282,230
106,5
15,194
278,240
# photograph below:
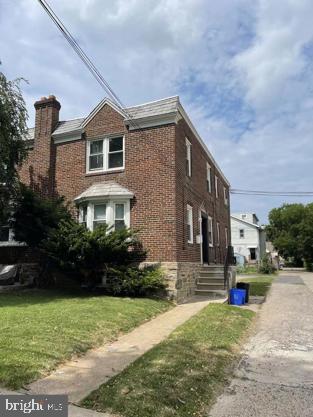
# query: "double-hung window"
225,196
216,186
189,224
241,233
99,215
96,155
105,154
208,178
210,231
119,216
188,158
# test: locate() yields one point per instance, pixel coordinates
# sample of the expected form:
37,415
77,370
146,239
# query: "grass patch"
260,285
180,376
41,329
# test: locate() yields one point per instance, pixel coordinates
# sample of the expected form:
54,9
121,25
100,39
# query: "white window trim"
210,223
217,234
110,211
188,156
243,235
225,197
105,140
208,177
190,222
216,186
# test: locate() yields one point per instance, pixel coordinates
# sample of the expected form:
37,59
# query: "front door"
205,241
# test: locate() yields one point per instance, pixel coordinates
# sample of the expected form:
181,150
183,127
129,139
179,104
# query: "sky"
242,69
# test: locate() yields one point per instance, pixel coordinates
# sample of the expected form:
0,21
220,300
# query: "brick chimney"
43,168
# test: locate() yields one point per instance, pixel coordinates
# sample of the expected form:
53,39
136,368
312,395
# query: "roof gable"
99,107
245,222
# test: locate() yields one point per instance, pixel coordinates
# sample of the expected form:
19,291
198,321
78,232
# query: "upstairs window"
188,158
216,186
189,224
225,196
208,178
105,154
242,233
96,155
116,153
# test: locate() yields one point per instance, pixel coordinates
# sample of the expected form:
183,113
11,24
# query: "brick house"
146,168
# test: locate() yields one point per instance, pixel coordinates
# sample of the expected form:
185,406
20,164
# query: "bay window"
114,213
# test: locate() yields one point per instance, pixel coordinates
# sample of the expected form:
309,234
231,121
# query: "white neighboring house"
248,237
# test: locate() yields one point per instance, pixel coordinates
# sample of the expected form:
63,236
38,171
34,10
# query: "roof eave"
83,198
68,136
151,121
194,131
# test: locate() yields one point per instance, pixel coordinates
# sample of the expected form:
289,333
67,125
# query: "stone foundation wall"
181,278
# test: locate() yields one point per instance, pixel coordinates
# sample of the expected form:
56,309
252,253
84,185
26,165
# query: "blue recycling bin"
237,296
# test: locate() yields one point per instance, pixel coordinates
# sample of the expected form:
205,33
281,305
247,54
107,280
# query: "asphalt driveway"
275,375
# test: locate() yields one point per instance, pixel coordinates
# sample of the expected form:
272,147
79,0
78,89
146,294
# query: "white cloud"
242,68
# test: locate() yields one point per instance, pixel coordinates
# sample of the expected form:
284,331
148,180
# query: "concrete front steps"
210,282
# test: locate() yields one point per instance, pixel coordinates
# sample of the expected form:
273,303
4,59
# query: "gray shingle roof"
68,126
104,189
154,108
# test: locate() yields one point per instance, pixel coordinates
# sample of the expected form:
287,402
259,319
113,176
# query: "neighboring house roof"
68,126
246,222
104,189
242,214
154,113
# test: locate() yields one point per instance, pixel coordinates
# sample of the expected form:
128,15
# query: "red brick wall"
193,191
149,173
155,170
39,169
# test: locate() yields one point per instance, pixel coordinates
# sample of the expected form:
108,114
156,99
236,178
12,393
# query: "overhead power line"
87,61
272,193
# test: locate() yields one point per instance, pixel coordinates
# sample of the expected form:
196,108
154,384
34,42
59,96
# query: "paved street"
275,376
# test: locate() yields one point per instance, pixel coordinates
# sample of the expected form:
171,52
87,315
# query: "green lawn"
41,329
182,375
259,285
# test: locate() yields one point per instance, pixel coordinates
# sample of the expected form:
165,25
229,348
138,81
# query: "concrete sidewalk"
275,376
79,377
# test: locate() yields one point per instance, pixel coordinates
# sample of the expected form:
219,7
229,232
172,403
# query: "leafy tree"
291,231
72,248
266,266
34,217
13,130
